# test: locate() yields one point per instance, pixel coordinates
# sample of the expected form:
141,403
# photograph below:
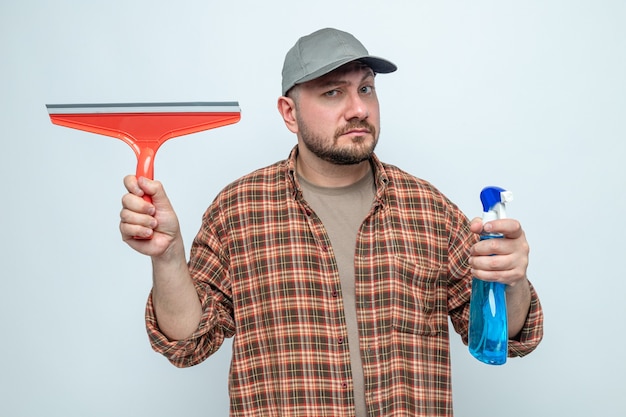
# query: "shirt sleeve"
529,337
532,332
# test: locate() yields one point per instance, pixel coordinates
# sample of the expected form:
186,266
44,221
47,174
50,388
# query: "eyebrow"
330,81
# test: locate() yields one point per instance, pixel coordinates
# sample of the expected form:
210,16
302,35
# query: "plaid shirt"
265,273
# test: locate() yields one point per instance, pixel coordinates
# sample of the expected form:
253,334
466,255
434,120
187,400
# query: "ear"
287,109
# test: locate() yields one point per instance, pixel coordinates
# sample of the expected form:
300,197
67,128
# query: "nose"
356,107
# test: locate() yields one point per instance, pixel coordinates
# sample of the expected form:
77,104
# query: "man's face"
338,115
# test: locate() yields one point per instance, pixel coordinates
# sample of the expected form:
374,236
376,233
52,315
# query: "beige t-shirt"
342,211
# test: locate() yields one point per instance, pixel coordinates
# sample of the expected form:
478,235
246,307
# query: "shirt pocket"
418,299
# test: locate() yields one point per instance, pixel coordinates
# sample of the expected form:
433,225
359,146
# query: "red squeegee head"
145,126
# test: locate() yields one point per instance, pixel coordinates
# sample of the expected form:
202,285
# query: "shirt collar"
380,175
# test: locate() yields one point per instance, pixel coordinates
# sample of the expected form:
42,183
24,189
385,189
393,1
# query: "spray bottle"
488,327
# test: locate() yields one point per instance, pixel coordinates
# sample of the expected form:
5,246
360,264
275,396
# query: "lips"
356,129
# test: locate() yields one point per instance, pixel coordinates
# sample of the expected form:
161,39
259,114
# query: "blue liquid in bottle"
488,327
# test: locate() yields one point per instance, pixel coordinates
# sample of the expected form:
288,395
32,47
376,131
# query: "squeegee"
145,126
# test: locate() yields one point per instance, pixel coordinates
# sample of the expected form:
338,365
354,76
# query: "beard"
359,150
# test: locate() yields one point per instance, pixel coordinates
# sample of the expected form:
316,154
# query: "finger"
134,220
132,185
510,228
140,219
488,247
496,262
514,244
509,276
130,232
502,268
133,202
508,267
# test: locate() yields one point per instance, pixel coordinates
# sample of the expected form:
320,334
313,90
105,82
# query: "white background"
528,95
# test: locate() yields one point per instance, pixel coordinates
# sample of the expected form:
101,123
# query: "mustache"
357,124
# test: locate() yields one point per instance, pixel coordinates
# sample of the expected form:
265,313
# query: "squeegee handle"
145,166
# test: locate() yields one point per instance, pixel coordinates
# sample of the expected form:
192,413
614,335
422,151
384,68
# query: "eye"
332,93
367,89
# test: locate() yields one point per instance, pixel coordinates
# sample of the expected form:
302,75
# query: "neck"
326,174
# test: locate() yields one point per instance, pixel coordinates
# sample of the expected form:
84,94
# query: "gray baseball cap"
323,51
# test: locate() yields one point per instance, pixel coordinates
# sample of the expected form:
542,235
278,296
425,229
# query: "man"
334,272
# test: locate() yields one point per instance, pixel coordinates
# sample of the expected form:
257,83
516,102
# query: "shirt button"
344,385
335,293
340,340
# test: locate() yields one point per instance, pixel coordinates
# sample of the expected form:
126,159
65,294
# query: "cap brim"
378,65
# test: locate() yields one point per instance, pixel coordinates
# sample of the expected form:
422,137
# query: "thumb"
162,210
154,190
476,225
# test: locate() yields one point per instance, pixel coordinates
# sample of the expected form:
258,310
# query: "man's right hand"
149,228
